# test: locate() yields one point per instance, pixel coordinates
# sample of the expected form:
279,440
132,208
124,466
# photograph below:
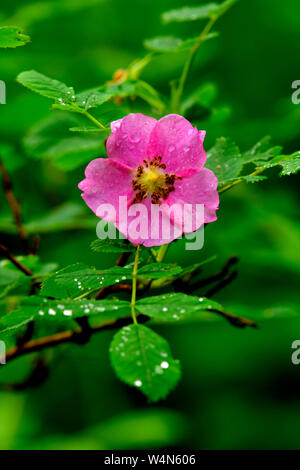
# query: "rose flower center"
151,179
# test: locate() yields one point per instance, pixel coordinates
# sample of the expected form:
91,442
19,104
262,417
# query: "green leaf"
51,288
67,216
45,86
78,279
35,307
12,36
159,270
172,44
142,359
225,160
163,44
12,278
174,307
190,13
121,90
197,12
92,98
14,321
86,129
253,178
111,246
290,165
203,96
262,151
149,94
51,139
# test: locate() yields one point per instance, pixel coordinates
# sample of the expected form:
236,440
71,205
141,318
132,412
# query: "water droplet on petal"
135,138
171,148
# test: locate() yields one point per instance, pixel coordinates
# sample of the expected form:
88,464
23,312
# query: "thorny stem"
15,207
133,293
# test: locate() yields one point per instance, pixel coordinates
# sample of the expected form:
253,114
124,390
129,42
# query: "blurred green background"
239,388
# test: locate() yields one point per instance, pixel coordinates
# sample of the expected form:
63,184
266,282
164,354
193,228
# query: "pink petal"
200,188
129,139
179,144
151,231
105,181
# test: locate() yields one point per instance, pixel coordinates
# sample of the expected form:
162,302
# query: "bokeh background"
239,388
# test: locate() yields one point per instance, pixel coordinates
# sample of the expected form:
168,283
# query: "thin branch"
15,207
75,336
14,260
69,336
235,320
222,284
189,288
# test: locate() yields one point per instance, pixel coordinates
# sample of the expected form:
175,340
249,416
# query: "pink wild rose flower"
152,165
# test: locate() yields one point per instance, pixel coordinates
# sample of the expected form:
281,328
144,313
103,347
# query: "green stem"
162,253
229,186
133,294
189,62
95,121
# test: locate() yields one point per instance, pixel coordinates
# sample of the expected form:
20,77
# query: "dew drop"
135,138
51,311
68,313
138,383
41,312
165,309
164,365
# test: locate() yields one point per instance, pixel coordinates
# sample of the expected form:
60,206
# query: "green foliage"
67,300
143,359
111,246
45,86
228,163
12,36
51,139
225,160
173,44
210,10
190,13
170,307
34,307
